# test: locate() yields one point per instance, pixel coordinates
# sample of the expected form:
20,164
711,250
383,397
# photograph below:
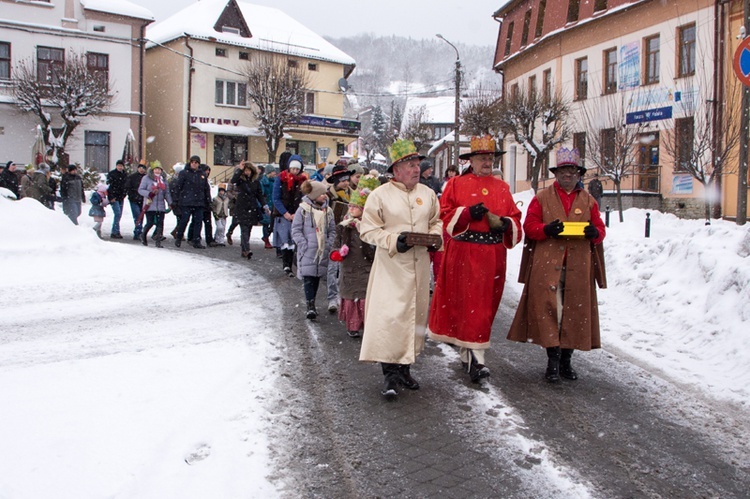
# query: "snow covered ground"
119,364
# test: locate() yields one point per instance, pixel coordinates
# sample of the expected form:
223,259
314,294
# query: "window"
221,52
540,19
307,103
98,67
229,149
573,7
49,62
508,39
230,93
547,85
441,131
292,63
525,32
244,56
686,50
685,135
4,60
99,28
579,142
607,141
96,153
230,29
532,86
514,91
311,66
600,5
306,149
610,71
582,78
652,60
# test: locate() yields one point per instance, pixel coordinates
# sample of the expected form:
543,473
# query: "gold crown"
483,145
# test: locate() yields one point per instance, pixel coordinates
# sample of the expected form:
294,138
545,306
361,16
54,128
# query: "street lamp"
456,139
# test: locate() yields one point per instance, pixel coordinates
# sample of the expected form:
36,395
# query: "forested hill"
399,65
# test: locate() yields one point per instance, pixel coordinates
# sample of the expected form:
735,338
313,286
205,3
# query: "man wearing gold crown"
560,268
398,290
483,221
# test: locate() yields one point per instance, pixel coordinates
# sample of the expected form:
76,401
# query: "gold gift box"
573,229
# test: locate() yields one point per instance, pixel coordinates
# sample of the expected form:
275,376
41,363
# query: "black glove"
553,228
501,230
478,211
433,248
590,232
401,245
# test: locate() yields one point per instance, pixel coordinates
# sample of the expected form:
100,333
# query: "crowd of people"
380,240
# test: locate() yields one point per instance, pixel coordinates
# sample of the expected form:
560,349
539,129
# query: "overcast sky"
460,21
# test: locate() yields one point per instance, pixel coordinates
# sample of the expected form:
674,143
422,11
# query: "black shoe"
478,371
311,312
158,238
552,374
288,271
214,244
136,237
178,242
566,370
115,236
158,243
406,380
229,239
198,245
353,334
390,388
144,239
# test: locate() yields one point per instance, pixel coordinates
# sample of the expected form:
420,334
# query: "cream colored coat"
398,291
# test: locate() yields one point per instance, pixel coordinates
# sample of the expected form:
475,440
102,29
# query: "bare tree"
611,142
416,128
277,88
537,124
703,142
71,90
480,115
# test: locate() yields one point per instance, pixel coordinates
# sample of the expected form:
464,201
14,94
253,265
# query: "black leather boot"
287,258
406,380
476,370
553,365
566,370
311,312
392,378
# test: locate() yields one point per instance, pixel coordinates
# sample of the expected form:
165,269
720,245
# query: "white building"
109,33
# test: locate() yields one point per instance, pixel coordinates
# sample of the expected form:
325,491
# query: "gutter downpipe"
718,90
189,96
141,96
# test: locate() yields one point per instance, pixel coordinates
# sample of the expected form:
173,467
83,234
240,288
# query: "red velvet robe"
472,276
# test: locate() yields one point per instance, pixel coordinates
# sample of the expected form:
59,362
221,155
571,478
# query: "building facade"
109,35
658,69
197,97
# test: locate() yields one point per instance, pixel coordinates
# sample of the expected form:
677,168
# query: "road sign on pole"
323,153
741,64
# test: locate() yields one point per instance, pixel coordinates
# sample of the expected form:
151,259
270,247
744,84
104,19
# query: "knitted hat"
366,185
313,189
568,157
402,150
339,173
194,157
425,165
482,145
356,169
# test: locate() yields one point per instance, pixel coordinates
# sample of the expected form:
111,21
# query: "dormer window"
230,29
99,28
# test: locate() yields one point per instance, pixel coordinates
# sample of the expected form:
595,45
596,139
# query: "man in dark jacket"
136,200
116,193
426,178
194,195
72,194
9,179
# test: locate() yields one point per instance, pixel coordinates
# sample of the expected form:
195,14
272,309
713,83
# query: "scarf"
291,180
320,217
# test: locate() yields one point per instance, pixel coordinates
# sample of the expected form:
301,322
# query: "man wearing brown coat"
561,265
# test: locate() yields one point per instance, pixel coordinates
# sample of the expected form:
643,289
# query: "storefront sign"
216,121
682,184
346,125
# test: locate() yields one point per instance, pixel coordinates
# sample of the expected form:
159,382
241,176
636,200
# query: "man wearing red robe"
483,221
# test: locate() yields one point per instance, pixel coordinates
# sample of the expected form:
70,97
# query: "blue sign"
345,125
662,113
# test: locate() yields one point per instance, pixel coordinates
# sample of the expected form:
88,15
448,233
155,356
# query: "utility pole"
457,117
745,126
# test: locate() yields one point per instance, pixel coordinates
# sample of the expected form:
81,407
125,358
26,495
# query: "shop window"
229,150
305,149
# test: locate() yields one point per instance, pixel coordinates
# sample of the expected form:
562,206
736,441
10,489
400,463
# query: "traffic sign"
741,64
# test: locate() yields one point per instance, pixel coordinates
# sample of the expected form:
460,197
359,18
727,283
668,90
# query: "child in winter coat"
220,209
356,259
313,231
98,201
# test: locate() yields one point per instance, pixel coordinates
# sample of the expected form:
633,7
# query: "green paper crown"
367,184
401,149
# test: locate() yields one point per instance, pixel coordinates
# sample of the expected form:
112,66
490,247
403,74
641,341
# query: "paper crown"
402,150
367,184
482,145
568,157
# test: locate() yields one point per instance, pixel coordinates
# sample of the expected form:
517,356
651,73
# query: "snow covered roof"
119,7
439,109
271,30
